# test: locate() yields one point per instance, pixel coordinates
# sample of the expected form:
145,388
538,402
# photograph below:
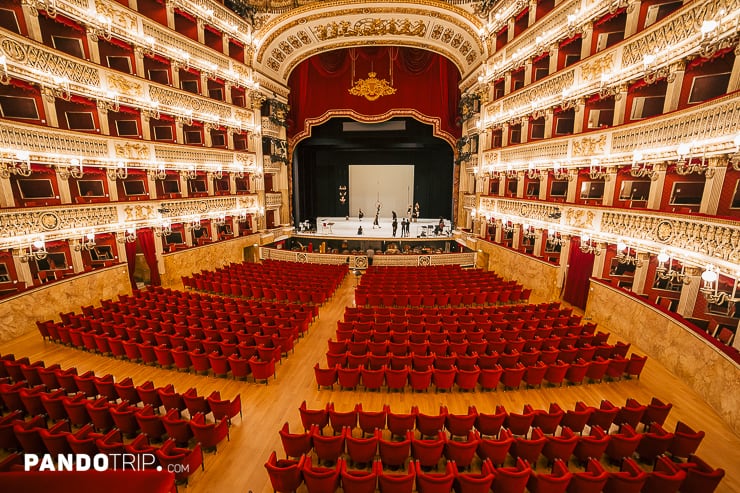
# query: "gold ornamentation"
370,27
593,70
124,85
132,151
589,146
372,88
139,212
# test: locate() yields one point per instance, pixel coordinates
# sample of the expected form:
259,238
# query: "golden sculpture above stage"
372,88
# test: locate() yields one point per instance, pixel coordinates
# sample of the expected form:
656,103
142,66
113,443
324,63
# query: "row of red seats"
462,340
525,449
484,378
281,281
238,359
695,476
21,376
460,297
540,310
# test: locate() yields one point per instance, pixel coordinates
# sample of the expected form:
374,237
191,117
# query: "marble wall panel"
20,313
713,375
206,257
532,273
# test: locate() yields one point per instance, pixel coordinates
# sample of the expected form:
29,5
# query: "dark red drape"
426,84
580,266
146,240
131,262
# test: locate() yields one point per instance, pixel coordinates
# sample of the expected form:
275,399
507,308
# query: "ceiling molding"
289,39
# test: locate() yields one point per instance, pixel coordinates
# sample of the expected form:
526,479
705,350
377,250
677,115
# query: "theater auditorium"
360,246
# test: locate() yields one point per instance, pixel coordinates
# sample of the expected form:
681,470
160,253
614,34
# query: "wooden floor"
238,464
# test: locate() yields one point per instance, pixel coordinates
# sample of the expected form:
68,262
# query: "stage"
340,227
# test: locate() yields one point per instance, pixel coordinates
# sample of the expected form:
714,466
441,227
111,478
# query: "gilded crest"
372,88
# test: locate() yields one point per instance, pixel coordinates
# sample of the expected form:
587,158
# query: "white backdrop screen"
392,185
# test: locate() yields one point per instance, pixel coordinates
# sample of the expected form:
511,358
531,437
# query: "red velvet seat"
654,443
434,482
560,447
310,417
461,424
209,435
655,412
295,444
428,452
592,445
530,448
592,480
512,479
394,453
429,425
224,408
555,482
496,449
397,483
370,421
183,461
99,412
519,423
631,413
150,424
622,444
604,415
262,370
177,428
635,365
83,441
685,441
629,479
666,477
489,378
321,479
462,453
360,481
361,450
548,421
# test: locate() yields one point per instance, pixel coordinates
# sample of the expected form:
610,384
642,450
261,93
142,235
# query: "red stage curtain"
580,266
131,261
425,82
146,240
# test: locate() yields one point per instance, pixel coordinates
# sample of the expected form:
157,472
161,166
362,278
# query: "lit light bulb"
663,257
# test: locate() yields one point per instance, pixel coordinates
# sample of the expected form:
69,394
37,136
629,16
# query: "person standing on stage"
409,212
361,214
377,215
394,224
417,210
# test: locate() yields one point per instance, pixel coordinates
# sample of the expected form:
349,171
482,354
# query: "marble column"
656,186
599,260
689,292
715,179
641,270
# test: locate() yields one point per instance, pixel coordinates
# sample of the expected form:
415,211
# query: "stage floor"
340,227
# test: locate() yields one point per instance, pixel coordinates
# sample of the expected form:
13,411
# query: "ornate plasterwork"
699,242
592,70
433,121
48,219
180,99
41,59
589,146
132,150
124,85
294,36
550,87
372,88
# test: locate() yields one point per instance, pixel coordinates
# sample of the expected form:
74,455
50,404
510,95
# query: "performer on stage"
440,226
360,214
394,224
377,215
408,212
417,210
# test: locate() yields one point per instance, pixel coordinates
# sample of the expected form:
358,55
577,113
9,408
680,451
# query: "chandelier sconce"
239,173
686,166
194,224
506,226
190,173
74,170
735,158
152,112
61,88
157,174
102,29
120,172
642,170
4,75
218,220
164,229
219,173
627,255
665,270
511,173
588,246
35,251
86,243
554,239
653,73
573,27
533,173
127,236
597,172
559,173
21,166
710,288
528,232
711,30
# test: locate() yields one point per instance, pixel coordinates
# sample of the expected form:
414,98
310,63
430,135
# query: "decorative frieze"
696,242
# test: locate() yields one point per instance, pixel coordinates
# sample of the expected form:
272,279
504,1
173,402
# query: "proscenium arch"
445,29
